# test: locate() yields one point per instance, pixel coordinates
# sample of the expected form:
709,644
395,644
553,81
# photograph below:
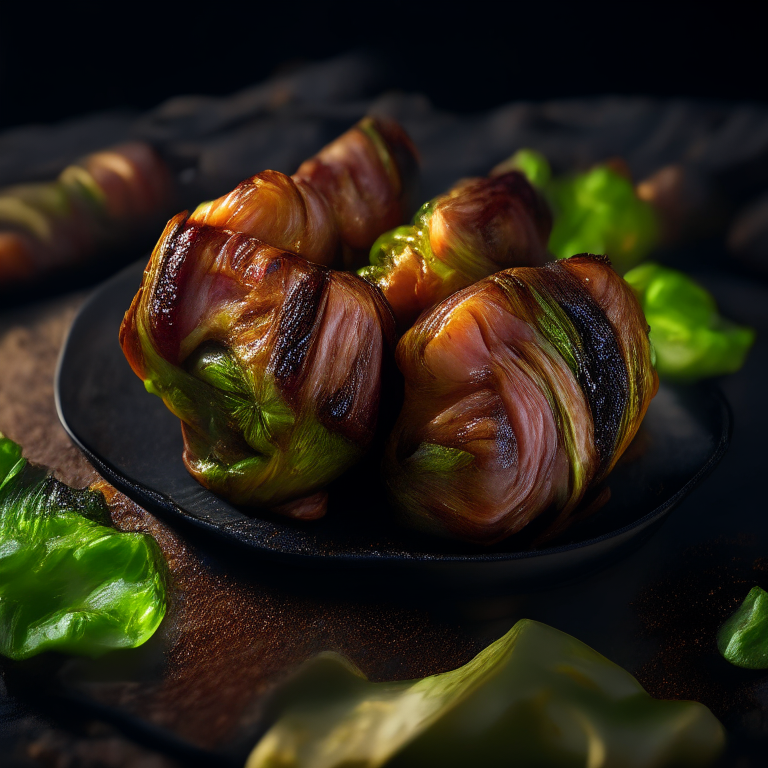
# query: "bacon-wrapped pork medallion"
336,205
477,228
521,392
272,363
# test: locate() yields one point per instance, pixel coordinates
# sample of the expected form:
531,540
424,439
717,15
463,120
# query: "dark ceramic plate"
136,444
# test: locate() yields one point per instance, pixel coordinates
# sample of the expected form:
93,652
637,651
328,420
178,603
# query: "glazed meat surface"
477,228
272,363
337,203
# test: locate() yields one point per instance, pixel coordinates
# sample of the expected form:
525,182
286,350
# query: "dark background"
60,63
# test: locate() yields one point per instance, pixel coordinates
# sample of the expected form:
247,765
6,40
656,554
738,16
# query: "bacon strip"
272,363
477,228
337,203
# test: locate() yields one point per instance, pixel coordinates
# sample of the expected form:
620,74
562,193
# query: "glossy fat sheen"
335,205
477,228
272,363
522,391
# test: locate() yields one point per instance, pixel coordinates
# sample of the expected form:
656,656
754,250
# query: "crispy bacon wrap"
479,227
522,391
273,364
338,202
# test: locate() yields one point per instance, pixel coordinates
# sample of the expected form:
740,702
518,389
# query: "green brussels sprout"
743,639
691,339
532,164
68,580
597,211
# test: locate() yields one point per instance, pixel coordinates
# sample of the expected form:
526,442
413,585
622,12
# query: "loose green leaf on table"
743,639
691,339
69,581
535,697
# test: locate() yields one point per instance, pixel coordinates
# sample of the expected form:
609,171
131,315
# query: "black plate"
136,444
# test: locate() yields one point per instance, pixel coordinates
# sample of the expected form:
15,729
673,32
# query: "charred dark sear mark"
297,326
600,366
602,370
337,405
165,292
337,411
